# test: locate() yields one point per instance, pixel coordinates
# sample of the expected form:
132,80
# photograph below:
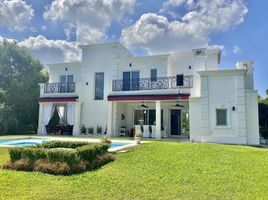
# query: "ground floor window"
221,117
146,117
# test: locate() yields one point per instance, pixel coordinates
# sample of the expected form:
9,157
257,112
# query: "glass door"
62,85
126,81
135,80
70,79
175,120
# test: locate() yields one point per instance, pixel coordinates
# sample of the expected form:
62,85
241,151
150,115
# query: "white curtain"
61,110
70,113
47,115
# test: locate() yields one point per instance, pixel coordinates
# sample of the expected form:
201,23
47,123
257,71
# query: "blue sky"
52,29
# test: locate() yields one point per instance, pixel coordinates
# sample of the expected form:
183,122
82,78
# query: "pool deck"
95,138
129,142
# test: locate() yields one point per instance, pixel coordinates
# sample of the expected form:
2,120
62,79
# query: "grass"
156,170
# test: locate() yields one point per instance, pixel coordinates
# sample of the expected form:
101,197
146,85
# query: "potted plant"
99,129
105,140
138,135
83,129
90,130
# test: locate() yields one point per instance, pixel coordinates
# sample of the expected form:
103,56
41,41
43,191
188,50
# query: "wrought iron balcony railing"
59,88
152,84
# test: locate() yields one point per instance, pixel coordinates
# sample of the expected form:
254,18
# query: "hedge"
63,144
48,157
89,152
50,151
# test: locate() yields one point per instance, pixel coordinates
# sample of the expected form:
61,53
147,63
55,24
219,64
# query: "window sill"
222,127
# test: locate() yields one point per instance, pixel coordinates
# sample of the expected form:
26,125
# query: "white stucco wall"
224,89
143,64
212,88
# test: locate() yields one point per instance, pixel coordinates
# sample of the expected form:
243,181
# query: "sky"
51,30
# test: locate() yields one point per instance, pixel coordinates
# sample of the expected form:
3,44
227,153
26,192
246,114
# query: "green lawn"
156,170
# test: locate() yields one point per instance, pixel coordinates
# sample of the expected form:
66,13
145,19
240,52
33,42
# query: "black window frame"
101,95
225,121
153,78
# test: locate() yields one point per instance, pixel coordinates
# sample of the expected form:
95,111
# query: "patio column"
110,119
158,120
77,110
40,119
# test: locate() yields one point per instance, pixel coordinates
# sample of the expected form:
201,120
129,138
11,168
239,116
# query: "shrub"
26,152
63,144
83,129
33,153
45,158
21,164
99,129
68,156
89,152
100,160
57,168
105,140
91,130
15,154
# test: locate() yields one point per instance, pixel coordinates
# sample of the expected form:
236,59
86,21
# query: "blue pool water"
19,142
14,142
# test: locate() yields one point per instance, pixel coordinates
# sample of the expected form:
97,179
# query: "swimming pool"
19,142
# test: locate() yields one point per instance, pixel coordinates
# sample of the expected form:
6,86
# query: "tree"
19,89
263,116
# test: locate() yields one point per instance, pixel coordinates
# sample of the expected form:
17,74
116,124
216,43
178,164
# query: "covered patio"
156,117
68,112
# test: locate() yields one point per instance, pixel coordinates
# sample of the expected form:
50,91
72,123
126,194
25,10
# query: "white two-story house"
170,95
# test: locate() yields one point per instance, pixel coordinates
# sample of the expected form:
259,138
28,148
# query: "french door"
66,83
131,80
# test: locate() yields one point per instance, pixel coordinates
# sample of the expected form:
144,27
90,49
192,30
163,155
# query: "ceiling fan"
143,105
178,105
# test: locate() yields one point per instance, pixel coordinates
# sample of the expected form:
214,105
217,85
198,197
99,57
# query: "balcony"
59,88
149,84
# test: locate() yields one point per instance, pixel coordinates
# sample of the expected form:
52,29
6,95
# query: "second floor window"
66,83
153,74
66,78
99,85
131,80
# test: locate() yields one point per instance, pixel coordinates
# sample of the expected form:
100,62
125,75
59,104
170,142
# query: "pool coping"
129,143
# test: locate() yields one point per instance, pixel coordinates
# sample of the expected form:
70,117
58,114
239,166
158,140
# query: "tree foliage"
263,116
19,89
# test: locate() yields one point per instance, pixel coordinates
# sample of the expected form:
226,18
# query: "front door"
175,119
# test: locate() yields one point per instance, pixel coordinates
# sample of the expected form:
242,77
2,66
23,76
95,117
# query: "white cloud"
91,17
156,33
51,51
3,39
236,49
15,14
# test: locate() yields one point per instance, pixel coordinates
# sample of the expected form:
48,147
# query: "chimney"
249,81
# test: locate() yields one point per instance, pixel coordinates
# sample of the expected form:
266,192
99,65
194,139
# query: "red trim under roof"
58,99
148,97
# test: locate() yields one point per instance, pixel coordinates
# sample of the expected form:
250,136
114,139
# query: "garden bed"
59,158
